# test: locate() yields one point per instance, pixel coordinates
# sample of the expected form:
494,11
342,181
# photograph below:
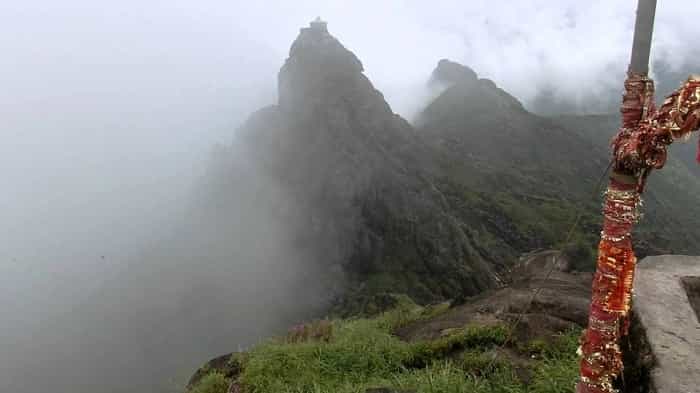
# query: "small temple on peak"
319,25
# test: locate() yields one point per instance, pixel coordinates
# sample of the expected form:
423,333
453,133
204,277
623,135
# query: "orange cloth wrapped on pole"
640,146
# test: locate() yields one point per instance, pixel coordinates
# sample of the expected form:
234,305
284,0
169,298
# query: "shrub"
318,330
211,383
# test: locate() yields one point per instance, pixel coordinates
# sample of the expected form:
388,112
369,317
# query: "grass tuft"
211,383
363,353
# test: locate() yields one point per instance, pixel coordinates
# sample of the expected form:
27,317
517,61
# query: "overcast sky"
107,109
137,89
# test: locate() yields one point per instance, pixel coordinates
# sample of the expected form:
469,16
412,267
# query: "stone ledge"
662,304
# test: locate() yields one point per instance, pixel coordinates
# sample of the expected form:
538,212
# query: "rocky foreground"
504,340
667,315
475,346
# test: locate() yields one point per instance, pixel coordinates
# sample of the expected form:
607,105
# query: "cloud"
580,49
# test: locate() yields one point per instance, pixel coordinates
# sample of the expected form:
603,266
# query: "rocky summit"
448,73
362,178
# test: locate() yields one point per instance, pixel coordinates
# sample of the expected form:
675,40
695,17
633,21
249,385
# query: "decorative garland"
639,147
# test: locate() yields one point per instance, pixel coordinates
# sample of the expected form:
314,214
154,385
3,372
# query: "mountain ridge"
362,173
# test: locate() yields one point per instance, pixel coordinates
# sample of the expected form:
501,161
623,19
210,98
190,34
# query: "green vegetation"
581,254
559,365
359,354
211,383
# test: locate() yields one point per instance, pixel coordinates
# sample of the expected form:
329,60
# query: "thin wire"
521,315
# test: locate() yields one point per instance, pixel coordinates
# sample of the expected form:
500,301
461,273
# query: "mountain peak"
315,35
449,73
465,96
315,58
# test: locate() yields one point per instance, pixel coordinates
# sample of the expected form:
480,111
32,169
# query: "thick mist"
109,114
117,273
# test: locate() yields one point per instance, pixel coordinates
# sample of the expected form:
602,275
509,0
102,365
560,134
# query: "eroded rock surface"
363,183
561,303
663,305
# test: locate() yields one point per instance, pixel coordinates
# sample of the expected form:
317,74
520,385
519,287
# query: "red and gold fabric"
639,147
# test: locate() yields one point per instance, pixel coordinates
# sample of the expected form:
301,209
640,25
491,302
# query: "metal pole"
643,30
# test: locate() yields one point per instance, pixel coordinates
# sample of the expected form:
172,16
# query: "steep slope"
483,127
671,212
539,170
361,179
532,172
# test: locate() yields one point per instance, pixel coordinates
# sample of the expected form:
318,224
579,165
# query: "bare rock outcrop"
665,289
562,302
363,183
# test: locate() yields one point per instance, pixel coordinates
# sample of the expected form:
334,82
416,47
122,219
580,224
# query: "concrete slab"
663,289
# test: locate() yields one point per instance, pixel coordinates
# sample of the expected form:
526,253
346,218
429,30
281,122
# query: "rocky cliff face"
363,181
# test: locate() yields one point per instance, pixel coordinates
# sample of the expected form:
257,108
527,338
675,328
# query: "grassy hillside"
362,354
671,211
522,176
526,176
